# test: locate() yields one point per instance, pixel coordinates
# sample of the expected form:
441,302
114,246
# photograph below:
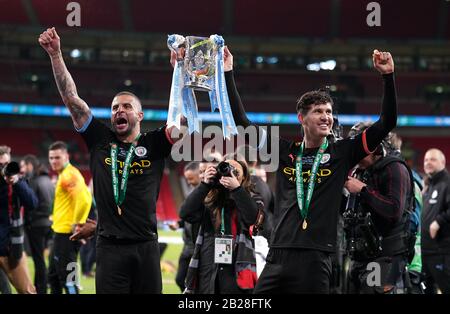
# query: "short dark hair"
58,145
192,166
127,93
31,159
315,97
38,167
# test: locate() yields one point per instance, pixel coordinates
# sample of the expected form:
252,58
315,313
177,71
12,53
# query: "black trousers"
383,275
225,281
87,256
183,265
436,269
63,269
295,271
125,267
37,238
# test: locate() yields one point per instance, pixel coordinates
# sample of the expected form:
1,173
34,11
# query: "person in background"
192,176
263,228
384,189
435,223
14,194
71,207
87,250
37,222
225,207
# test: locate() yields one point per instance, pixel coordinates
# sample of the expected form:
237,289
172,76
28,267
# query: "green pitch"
169,265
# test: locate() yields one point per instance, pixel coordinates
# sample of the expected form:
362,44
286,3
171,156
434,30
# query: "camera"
363,240
224,169
11,169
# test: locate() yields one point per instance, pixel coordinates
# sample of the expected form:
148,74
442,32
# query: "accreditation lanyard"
223,245
222,223
303,203
119,191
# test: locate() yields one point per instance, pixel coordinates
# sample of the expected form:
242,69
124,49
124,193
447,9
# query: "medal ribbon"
303,203
119,191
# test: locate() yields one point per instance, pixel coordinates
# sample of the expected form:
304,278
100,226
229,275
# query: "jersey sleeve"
94,132
158,143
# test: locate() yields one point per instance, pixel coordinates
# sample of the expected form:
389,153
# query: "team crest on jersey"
325,158
434,194
141,151
433,199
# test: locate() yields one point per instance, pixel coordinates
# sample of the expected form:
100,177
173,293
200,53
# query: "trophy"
199,67
199,63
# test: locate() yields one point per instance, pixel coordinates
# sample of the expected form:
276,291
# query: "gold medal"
304,225
119,210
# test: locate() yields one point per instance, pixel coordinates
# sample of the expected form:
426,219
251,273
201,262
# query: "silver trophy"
199,66
199,61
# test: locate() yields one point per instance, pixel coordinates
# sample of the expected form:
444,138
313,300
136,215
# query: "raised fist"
383,62
49,40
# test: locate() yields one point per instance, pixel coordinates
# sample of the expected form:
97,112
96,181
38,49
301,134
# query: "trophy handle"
177,44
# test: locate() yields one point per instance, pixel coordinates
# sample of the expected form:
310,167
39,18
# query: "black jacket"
388,197
194,211
44,189
263,189
436,206
387,194
11,218
188,237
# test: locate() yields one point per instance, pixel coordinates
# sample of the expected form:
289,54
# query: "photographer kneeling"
225,205
377,220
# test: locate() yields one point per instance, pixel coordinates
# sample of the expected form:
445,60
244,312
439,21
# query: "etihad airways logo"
136,167
290,174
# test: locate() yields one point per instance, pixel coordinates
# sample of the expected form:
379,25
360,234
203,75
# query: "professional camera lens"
11,169
224,169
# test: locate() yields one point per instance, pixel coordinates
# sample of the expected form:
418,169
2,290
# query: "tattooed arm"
79,110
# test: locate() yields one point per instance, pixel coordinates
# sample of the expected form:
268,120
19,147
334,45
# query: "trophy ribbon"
190,110
220,92
176,99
